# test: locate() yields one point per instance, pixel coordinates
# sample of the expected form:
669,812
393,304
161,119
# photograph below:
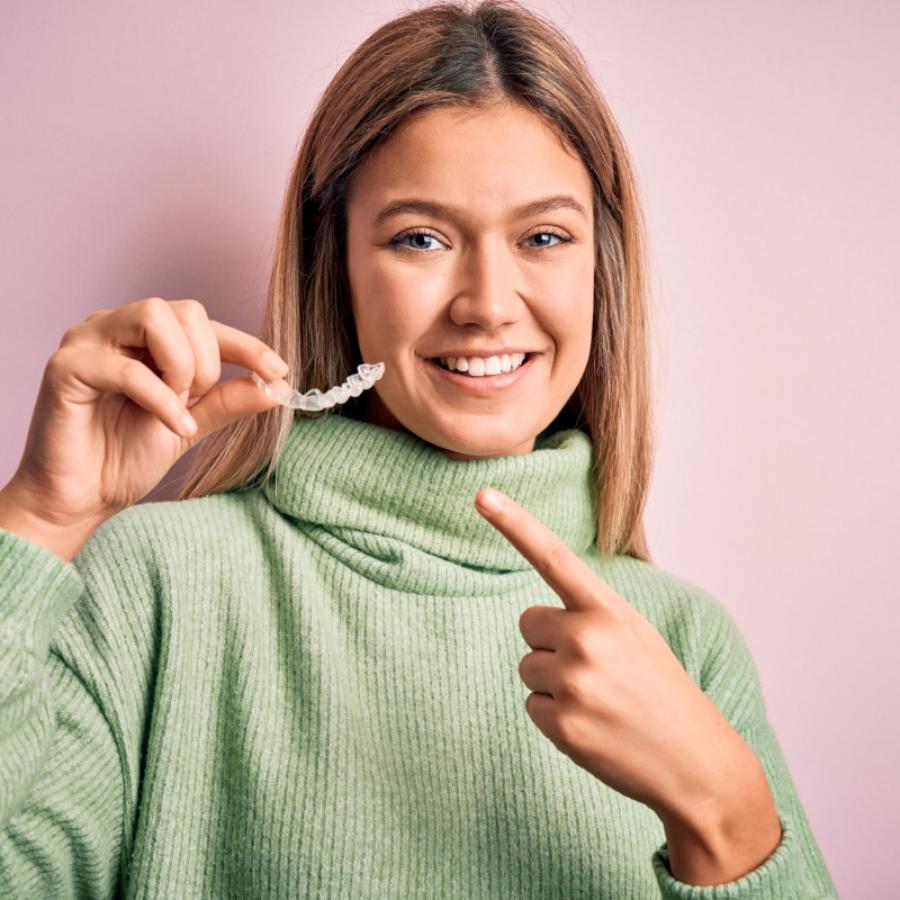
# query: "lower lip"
484,385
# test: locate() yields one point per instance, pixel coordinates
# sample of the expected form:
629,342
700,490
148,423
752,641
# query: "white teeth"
478,366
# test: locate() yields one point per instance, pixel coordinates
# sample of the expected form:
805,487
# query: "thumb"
227,401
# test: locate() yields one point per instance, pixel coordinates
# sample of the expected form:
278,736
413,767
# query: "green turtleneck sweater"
311,689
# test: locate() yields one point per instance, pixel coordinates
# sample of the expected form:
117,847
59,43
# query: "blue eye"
421,233
562,238
412,234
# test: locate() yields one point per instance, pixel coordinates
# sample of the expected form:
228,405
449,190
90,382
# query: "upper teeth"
480,365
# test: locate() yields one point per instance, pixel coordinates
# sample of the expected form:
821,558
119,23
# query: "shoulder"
150,536
702,632
139,559
669,597
696,624
133,563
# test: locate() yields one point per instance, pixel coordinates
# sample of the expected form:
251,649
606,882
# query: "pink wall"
144,152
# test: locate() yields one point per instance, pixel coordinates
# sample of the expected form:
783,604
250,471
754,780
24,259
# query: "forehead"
485,160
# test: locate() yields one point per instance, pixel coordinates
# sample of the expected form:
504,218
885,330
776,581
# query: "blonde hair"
451,54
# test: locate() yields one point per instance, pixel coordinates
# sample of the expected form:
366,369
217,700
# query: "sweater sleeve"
795,869
61,782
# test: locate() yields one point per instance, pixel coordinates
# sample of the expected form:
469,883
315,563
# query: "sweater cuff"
37,590
782,874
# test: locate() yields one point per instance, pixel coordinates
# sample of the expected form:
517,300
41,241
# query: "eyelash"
396,241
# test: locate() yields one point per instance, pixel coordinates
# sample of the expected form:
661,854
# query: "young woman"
305,677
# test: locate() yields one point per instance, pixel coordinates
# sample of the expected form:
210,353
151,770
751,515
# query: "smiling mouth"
438,360
481,385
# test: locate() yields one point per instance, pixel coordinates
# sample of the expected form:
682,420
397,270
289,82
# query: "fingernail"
274,363
490,500
188,425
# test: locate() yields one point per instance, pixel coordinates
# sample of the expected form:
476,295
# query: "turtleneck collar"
390,495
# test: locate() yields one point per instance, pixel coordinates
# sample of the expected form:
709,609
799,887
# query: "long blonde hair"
451,54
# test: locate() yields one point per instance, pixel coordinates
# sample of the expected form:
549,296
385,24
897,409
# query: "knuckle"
565,730
523,666
529,702
214,371
58,362
577,729
577,688
553,557
153,308
536,709
580,643
97,314
207,373
191,309
222,410
71,334
197,309
614,616
525,617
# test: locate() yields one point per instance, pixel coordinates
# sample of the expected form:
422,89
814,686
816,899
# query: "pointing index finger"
576,583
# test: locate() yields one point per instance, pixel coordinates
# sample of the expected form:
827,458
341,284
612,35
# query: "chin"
491,446
465,437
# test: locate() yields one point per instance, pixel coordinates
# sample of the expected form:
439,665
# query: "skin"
486,278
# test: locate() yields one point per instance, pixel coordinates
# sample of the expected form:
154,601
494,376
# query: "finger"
151,323
543,627
207,364
228,401
573,580
539,671
111,372
240,348
542,708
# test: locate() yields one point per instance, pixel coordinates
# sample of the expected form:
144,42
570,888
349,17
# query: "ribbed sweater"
311,689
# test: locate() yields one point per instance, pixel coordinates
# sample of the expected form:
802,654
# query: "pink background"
144,152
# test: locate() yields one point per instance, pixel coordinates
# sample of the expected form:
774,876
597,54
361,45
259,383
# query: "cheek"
388,320
569,324
569,320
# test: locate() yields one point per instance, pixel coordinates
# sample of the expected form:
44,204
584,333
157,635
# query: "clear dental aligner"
365,376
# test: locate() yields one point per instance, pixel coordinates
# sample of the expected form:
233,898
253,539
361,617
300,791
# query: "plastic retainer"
312,401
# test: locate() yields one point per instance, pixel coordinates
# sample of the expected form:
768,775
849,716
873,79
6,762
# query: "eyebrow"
455,214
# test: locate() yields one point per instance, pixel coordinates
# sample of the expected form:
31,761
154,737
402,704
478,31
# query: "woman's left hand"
609,692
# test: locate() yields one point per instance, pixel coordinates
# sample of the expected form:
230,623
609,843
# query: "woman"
305,678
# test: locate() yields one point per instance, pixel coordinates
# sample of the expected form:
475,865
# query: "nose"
487,295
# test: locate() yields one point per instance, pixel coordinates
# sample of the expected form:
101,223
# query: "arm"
721,842
65,540
742,855
61,787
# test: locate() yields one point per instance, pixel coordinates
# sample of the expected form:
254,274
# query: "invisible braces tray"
365,376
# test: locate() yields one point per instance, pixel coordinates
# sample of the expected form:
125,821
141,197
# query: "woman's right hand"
107,424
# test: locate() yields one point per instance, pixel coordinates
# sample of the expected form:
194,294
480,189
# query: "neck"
391,503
